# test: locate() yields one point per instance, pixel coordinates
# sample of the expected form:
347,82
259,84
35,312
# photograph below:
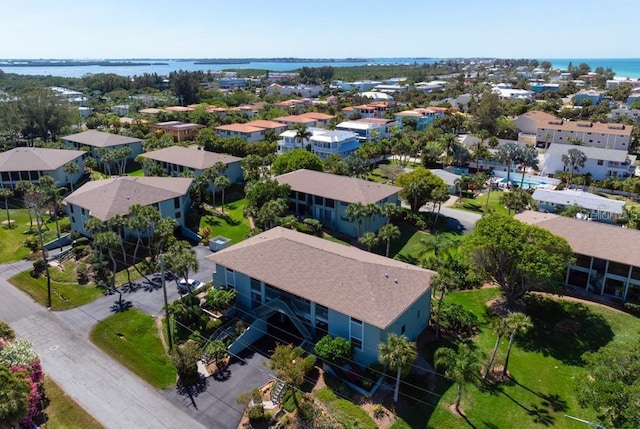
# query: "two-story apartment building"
180,131
376,109
31,163
422,116
248,133
368,129
94,141
103,199
324,288
326,196
607,257
322,142
601,163
175,160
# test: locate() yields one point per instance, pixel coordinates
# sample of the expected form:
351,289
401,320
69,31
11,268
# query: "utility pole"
166,304
44,255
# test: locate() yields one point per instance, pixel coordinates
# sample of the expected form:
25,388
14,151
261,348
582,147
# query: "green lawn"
478,204
62,411
410,247
232,224
543,364
12,238
63,295
131,338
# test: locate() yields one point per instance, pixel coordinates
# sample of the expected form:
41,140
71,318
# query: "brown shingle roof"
363,285
341,188
36,159
109,197
600,240
192,158
100,139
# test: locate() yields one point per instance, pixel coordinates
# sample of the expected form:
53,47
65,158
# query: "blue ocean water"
190,65
623,67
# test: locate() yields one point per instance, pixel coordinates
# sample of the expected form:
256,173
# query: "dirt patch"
8,222
499,307
383,417
161,333
452,410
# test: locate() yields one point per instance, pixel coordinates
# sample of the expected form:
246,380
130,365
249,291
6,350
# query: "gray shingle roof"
192,158
569,197
100,139
109,197
341,188
363,285
36,159
596,239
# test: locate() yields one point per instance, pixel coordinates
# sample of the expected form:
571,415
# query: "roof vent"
395,281
386,275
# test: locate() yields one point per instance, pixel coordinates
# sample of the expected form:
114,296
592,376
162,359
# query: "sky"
95,29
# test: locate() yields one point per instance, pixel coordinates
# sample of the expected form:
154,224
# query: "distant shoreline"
38,63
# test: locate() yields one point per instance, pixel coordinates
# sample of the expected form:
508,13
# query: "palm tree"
387,233
52,196
71,168
448,142
509,154
6,193
399,354
479,149
355,212
31,196
575,160
437,243
500,327
369,240
180,259
461,184
462,366
108,241
443,282
528,159
210,174
302,134
222,182
370,210
519,323
390,210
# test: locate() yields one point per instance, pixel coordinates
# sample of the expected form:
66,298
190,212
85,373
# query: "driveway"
460,220
112,394
213,401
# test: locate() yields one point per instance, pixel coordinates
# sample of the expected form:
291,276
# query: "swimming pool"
525,185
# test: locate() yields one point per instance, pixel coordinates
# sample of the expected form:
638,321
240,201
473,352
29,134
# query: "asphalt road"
112,394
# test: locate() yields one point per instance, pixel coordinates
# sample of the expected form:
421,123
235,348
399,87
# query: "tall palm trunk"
459,397
506,359
493,355
439,313
397,391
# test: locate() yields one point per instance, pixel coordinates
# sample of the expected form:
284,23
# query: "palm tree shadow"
119,306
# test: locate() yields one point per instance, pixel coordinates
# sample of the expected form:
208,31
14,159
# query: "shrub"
334,350
306,411
185,358
256,413
213,324
314,224
38,268
6,332
81,251
632,308
83,273
32,243
82,241
458,320
221,299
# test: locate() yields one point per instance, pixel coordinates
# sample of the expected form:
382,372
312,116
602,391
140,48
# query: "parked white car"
185,285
